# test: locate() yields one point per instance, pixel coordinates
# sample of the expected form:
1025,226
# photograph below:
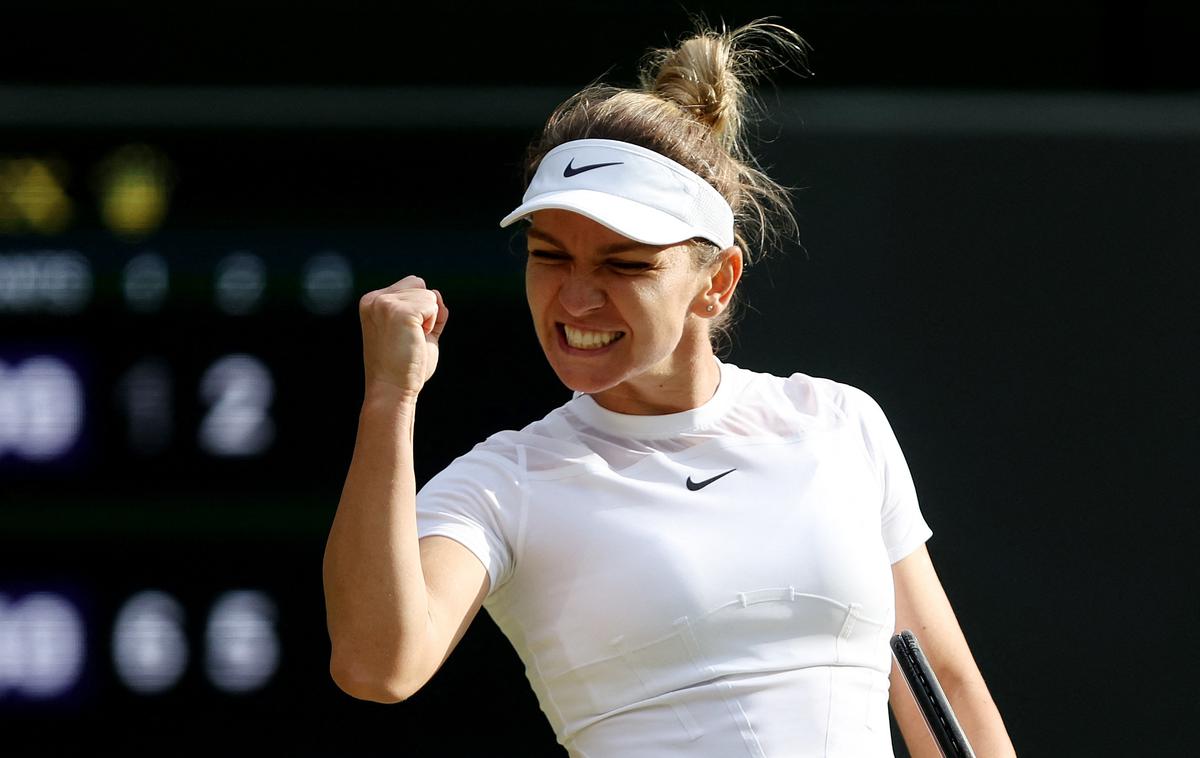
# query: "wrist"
383,396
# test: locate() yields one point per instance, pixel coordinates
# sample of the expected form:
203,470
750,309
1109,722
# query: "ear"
723,277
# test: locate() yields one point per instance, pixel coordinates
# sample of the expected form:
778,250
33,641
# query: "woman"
690,558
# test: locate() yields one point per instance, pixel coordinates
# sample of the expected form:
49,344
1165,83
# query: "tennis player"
691,558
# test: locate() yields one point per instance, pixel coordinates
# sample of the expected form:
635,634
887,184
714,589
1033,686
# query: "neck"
679,384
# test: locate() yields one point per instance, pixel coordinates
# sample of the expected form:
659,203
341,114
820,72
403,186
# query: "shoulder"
510,454
852,411
826,402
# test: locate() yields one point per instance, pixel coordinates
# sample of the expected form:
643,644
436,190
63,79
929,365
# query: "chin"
578,381
585,380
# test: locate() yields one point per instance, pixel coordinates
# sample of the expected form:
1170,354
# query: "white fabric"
750,617
636,192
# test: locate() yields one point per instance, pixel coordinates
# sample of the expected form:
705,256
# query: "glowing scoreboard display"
42,389
152,385
180,377
48,413
150,394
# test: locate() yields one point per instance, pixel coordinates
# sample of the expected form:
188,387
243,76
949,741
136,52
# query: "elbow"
367,682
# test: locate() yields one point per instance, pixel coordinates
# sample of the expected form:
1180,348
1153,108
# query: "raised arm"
395,607
922,606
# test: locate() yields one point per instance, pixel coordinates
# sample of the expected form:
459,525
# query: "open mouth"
585,339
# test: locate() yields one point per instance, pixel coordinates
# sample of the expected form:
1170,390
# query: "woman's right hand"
401,325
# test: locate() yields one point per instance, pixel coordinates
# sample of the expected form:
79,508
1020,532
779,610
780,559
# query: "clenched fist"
401,325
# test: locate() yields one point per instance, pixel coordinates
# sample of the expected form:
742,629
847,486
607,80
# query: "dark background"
996,204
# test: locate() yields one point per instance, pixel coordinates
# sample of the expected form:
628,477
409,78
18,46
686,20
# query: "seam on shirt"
832,391
518,548
747,729
848,623
829,711
550,702
690,726
859,445
888,502
736,713
868,429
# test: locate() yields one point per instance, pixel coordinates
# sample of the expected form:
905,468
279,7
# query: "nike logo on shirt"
570,170
693,486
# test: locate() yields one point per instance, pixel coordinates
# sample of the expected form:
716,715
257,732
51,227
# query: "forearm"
972,704
916,735
922,606
980,718
376,599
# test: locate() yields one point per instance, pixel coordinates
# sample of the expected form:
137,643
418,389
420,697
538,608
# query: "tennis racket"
926,690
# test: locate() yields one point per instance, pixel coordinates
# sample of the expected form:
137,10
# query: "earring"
709,309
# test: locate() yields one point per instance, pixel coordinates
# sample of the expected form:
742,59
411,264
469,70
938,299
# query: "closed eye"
630,266
548,256
558,256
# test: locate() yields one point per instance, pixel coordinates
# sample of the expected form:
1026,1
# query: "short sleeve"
903,527
474,501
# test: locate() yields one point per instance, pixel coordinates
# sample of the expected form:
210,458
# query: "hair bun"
700,77
707,74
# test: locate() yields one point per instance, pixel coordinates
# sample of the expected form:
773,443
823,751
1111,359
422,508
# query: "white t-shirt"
715,582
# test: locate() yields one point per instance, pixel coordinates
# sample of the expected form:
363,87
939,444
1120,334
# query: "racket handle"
931,700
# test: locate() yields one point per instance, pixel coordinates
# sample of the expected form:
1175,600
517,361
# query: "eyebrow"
612,248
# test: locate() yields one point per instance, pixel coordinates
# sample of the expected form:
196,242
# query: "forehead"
574,231
561,223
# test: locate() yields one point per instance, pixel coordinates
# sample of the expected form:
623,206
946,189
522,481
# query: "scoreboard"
180,378
205,353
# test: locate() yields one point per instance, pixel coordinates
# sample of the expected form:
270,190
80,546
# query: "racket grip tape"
931,699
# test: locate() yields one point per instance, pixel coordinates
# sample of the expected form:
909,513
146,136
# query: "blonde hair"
693,106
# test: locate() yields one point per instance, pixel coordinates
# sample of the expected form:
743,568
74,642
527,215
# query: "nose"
580,293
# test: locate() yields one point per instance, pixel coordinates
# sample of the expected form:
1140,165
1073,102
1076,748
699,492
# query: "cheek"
661,308
670,296
537,286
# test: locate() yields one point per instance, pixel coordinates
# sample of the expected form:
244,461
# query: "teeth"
585,340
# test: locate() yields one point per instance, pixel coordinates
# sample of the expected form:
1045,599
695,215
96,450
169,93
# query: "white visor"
636,192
